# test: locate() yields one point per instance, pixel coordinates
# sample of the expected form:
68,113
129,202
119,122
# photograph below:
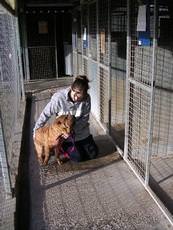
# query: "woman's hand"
65,136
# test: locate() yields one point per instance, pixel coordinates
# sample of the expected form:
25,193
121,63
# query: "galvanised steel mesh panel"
85,66
79,38
7,210
94,88
92,31
149,122
164,69
142,68
141,56
10,74
118,69
7,203
42,62
139,93
139,107
79,60
118,98
74,42
118,91
42,38
10,97
5,182
162,136
118,16
84,19
103,22
75,63
162,145
104,96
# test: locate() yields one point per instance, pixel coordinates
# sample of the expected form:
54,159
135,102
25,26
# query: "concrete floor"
161,174
97,194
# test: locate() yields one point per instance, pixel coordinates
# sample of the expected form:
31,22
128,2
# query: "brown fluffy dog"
51,137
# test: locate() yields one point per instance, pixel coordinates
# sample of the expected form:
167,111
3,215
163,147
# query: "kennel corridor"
131,90
96,194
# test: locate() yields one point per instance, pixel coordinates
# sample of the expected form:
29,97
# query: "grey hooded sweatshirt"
60,104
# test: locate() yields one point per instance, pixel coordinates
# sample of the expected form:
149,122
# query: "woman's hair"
81,82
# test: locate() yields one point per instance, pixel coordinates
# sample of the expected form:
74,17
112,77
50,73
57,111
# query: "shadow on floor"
162,194
105,145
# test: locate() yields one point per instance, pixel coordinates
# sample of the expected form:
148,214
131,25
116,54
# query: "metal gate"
139,98
134,95
47,42
41,44
118,33
148,137
101,55
104,60
140,90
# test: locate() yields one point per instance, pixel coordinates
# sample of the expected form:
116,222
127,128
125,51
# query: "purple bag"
69,150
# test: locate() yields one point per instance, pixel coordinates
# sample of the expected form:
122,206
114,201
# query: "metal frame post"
56,58
150,131
128,55
20,61
88,38
25,47
81,21
109,70
97,29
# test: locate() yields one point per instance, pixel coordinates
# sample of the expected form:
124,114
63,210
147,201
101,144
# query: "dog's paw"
40,161
59,162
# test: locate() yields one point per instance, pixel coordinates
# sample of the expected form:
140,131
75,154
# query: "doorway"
48,35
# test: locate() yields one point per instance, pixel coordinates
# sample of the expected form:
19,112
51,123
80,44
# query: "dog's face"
64,124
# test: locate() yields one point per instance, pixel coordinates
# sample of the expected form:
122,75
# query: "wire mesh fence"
84,21
139,94
102,47
118,31
11,76
42,62
100,53
92,31
85,66
41,42
142,84
103,23
80,69
139,107
162,134
7,202
104,81
79,34
162,148
11,95
149,99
